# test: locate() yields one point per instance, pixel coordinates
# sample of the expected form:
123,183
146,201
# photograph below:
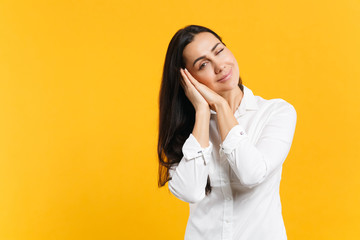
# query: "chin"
233,83
228,87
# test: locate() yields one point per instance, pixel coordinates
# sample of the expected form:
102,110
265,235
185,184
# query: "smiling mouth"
226,77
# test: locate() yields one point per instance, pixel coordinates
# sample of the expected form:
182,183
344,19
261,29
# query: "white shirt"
244,170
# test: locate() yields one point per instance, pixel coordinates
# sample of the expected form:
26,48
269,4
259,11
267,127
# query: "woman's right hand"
202,108
197,100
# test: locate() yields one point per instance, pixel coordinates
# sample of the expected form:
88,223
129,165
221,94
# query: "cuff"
192,149
232,139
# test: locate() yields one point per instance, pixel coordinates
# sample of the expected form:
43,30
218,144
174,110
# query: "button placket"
228,212
228,205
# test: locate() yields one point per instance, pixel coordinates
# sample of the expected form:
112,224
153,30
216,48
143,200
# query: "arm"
189,177
226,118
254,163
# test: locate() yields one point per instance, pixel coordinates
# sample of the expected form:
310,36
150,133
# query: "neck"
233,98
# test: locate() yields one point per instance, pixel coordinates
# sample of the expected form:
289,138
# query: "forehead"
201,45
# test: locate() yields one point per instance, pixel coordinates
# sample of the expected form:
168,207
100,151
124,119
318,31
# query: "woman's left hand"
210,96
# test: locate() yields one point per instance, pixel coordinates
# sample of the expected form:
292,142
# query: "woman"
221,148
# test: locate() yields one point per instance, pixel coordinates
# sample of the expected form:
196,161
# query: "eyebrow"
199,58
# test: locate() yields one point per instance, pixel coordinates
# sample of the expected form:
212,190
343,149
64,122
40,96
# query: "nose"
219,66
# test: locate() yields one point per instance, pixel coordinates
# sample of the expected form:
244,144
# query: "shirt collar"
248,103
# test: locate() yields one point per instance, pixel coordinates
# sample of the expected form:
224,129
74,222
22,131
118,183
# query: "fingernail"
186,70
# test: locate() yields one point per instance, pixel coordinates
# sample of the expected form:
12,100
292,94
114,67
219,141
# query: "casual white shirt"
244,170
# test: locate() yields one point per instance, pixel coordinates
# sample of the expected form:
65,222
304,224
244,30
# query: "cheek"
230,57
232,60
204,77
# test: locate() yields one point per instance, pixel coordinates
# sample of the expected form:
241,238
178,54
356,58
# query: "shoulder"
276,106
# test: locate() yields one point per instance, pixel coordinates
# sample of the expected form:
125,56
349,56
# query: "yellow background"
79,84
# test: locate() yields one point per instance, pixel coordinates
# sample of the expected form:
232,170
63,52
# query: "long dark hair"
177,114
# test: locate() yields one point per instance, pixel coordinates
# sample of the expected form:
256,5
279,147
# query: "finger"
186,80
198,85
191,78
182,81
201,88
188,74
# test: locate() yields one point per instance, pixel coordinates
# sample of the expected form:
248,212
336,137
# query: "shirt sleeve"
251,163
189,177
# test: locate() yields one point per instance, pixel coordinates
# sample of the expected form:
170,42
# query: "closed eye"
220,51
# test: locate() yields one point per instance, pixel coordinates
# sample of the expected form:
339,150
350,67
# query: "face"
211,63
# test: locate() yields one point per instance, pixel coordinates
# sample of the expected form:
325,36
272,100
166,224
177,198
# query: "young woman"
221,148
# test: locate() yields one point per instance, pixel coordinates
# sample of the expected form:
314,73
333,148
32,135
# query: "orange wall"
79,84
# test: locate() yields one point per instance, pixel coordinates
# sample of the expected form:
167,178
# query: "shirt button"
241,133
228,199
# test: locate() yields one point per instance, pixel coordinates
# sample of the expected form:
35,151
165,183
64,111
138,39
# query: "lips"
226,77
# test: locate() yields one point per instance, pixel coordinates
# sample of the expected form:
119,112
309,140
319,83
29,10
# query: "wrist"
220,105
201,126
205,111
202,109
